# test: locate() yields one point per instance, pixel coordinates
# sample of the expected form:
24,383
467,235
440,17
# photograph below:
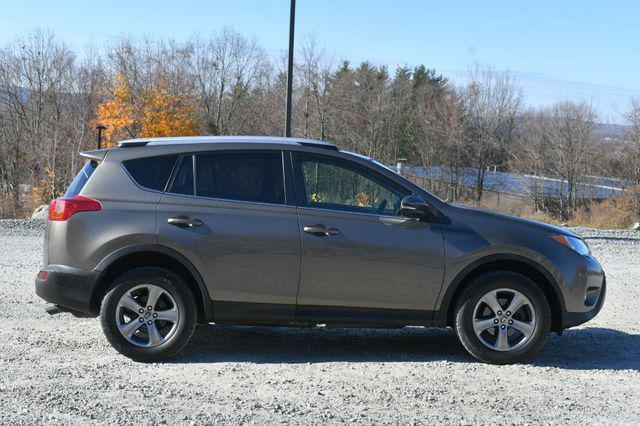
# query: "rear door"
360,261
228,213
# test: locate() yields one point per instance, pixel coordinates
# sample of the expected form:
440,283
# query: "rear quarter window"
81,179
151,172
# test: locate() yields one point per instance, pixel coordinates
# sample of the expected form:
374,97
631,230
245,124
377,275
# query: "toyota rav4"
157,235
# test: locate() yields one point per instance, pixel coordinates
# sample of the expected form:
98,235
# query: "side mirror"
415,207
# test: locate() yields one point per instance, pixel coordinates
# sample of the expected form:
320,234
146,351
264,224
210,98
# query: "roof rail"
228,139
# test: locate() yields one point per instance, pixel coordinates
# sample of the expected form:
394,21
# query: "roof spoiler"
132,143
95,154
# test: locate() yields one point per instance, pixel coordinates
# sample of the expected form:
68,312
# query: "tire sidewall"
169,282
493,281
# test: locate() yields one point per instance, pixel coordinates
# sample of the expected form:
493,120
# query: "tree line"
51,99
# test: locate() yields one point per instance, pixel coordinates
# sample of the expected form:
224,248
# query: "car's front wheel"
148,314
502,317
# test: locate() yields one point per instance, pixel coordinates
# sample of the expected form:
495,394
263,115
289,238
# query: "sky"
585,50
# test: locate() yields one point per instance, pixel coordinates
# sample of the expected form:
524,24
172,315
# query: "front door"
361,262
227,213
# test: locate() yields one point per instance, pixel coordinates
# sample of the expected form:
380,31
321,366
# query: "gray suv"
157,235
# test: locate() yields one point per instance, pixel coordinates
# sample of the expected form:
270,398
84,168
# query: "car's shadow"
584,349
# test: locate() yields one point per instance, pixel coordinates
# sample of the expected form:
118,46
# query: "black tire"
470,297
170,283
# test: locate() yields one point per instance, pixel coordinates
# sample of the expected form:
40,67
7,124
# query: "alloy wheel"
504,319
147,315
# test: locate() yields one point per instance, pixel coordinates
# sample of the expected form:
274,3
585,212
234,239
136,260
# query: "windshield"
364,157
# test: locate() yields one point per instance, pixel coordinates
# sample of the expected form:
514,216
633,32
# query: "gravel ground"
61,370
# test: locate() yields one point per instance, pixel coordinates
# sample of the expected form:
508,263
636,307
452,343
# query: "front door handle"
184,222
320,230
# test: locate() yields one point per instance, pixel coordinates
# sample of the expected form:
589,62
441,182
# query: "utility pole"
292,20
100,128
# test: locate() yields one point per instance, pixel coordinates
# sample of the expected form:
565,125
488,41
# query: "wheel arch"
130,257
507,262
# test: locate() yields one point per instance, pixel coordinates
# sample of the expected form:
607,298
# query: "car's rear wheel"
148,314
502,317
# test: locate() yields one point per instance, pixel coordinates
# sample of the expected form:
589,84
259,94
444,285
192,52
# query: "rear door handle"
184,222
320,230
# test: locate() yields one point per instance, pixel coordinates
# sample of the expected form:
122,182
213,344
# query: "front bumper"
71,288
581,283
572,319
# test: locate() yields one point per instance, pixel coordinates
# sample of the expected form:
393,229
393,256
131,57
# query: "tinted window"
183,182
151,172
240,176
81,178
339,186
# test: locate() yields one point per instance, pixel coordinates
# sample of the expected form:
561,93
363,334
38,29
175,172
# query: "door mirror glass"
414,206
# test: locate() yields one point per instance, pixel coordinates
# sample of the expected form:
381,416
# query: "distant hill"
611,130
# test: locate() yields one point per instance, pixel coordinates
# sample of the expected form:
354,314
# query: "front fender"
442,314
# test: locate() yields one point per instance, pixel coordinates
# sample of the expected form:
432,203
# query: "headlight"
573,243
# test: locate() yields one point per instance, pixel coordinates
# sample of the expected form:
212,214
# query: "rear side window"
81,179
246,176
183,181
151,172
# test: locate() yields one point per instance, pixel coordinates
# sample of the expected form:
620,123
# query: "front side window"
337,185
250,176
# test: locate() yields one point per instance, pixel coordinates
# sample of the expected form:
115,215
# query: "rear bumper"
71,288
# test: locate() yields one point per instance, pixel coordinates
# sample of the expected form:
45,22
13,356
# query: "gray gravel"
18,227
61,370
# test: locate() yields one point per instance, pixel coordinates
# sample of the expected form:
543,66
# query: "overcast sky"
579,50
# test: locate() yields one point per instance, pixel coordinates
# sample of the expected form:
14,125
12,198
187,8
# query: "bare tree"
315,80
631,161
359,116
632,139
225,68
40,86
492,102
568,129
438,136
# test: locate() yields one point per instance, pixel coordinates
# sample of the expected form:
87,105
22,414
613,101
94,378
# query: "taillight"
63,208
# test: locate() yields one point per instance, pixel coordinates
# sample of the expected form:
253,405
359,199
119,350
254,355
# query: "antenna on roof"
100,128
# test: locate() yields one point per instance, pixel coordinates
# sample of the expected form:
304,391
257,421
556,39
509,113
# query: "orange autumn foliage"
151,113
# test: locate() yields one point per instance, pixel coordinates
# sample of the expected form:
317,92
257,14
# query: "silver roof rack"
225,139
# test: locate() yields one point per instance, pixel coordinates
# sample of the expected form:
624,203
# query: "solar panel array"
592,187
